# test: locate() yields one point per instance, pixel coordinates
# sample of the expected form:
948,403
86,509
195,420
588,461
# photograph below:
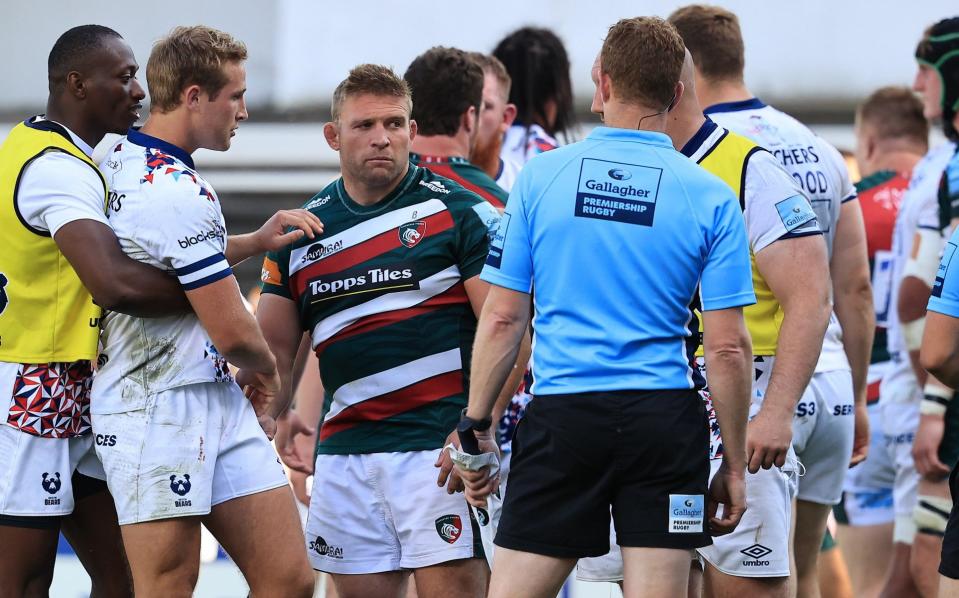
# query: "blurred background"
814,59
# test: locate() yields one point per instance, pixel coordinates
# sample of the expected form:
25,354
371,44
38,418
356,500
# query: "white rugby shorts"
190,449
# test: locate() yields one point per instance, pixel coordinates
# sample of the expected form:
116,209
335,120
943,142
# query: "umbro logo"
756,552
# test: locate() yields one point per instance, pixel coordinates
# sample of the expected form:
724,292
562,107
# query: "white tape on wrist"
474,462
912,333
935,399
924,263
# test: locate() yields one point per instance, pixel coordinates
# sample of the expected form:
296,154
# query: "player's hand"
273,234
860,439
448,475
479,484
728,488
925,447
299,485
768,437
261,389
290,427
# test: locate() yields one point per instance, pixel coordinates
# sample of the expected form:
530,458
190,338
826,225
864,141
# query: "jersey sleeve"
275,274
945,290
476,224
510,262
775,205
184,231
948,203
727,274
56,189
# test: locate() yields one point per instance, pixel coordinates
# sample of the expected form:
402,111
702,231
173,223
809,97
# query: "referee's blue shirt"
616,233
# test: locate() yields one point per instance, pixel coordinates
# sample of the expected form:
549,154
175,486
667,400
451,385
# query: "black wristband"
479,425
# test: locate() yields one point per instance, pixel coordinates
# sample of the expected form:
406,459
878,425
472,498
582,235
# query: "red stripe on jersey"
394,403
361,252
451,296
872,392
445,169
880,204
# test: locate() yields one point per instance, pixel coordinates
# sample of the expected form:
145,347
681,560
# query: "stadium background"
815,59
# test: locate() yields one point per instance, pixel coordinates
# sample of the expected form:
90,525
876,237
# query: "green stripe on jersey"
382,293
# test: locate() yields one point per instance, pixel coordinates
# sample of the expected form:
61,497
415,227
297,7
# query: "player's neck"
897,161
637,117
170,128
682,124
366,195
443,146
721,92
73,120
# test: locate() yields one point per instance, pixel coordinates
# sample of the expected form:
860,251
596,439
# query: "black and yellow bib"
728,160
46,314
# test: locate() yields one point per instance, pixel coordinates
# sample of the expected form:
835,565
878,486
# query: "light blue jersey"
945,290
616,233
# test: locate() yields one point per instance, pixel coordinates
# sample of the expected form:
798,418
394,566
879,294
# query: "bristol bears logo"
449,527
3,292
51,483
181,486
412,233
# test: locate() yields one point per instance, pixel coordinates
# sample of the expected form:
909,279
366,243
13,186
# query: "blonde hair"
190,56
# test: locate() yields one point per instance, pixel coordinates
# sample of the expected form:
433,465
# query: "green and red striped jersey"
381,293
466,174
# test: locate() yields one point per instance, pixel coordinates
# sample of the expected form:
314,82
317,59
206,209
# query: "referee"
616,233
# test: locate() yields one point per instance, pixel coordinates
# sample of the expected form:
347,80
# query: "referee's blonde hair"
189,56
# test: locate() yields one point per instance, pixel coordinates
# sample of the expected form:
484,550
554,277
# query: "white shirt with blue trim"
164,214
816,166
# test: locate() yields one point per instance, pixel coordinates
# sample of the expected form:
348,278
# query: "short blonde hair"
373,79
190,56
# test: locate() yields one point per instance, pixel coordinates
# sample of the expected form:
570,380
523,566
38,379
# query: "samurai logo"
3,292
449,527
412,233
51,483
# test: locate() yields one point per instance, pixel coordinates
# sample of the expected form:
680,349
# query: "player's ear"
469,120
191,96
509,115
332,135
413,130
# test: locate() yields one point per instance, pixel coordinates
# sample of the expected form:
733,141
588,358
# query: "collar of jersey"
617,134
875,179
149,141
697,140
750,104
404,185
425,159
42,123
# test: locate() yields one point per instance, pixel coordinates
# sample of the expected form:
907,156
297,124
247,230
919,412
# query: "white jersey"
508,171
165,215
919,210
816,166
522,143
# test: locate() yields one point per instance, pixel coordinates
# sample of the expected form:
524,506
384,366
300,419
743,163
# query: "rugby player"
791,282
389,296
538,66
182,445
936,446
939,52
60,263
495,118
447,86
891,137
616,423
830,424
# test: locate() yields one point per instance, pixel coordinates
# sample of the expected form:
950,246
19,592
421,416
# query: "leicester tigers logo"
412,233
3,292
449,527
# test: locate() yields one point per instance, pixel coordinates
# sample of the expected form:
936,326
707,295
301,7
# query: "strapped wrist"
935,399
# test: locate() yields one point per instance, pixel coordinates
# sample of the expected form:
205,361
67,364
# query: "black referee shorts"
949,562
643,453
